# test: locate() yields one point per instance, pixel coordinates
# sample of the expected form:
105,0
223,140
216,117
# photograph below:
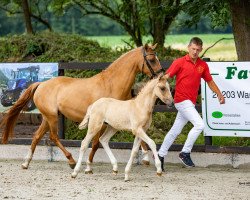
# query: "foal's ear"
146,46
154,46
160,76
163,77
166,76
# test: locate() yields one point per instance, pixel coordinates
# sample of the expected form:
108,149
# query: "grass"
222,51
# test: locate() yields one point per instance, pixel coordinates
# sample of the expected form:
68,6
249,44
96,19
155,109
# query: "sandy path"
51,180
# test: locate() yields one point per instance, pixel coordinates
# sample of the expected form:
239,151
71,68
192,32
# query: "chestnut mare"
134,115
72,96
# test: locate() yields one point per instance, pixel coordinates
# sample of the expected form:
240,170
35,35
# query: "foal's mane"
149,85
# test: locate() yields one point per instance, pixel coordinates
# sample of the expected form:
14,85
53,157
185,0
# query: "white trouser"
186,112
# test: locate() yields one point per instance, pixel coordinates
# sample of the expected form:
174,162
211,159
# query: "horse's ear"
146,46
154,47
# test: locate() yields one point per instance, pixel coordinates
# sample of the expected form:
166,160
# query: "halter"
154,74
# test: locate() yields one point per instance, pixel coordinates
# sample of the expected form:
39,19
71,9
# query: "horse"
72,96
134,115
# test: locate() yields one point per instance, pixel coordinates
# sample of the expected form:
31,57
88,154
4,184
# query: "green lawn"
224,50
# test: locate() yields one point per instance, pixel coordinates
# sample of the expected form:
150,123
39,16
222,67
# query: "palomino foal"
134,115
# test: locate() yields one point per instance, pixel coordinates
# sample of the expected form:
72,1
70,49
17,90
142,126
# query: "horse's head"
162,90
151,65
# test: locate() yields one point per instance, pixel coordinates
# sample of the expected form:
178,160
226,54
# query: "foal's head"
162,90
151,65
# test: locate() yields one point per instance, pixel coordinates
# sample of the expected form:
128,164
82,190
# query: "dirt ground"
51,180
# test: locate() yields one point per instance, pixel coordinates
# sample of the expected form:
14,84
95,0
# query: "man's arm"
212,85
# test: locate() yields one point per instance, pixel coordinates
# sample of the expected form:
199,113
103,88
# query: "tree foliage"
138,18
37,10
221,13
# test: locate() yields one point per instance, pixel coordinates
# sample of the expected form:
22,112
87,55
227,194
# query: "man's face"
194,50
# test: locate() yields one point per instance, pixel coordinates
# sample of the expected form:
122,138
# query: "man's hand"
221,99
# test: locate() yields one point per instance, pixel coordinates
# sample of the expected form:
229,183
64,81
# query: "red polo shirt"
188,77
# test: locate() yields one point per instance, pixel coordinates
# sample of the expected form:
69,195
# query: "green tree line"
95,25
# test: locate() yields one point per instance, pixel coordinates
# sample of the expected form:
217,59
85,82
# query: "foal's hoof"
88,172
145,162
115,172
72,165
159,174
126,178
24,166
73,175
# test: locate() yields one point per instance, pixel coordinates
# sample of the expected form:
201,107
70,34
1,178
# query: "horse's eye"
152,60
163,89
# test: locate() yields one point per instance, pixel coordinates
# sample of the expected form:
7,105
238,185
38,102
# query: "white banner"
233,117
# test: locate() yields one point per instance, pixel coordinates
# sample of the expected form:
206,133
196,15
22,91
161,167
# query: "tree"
161,14
27,17
221,13
35,9
126,13
241,27
137,17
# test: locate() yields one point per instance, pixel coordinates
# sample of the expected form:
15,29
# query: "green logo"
217,114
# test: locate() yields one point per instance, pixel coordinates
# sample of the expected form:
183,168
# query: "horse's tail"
85,120
10,118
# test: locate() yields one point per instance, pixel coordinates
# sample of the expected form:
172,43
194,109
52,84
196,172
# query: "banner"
15,78
233,117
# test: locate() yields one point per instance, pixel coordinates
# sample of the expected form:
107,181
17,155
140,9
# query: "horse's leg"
43,128
152,145
53,122
145,159
84,146
95,146
104,139
134,151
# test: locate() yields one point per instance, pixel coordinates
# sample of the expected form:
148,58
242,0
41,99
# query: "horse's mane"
121,57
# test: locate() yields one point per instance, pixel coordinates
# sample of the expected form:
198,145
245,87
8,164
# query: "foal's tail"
85,120
10,118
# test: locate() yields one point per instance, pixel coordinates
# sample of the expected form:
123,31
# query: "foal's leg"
53,124
134,151
84,146
43,128
95,146
104,139
145,159
152,145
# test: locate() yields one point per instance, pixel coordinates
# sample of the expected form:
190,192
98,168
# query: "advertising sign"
15,78
233,117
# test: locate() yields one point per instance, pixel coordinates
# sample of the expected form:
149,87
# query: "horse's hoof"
88,172
145,162
24,166
126,180
159,174
72,166
115,172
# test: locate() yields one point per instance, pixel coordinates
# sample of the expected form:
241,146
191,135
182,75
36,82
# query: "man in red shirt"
188,71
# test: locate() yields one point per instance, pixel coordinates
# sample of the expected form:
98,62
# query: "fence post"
61,118
208,139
